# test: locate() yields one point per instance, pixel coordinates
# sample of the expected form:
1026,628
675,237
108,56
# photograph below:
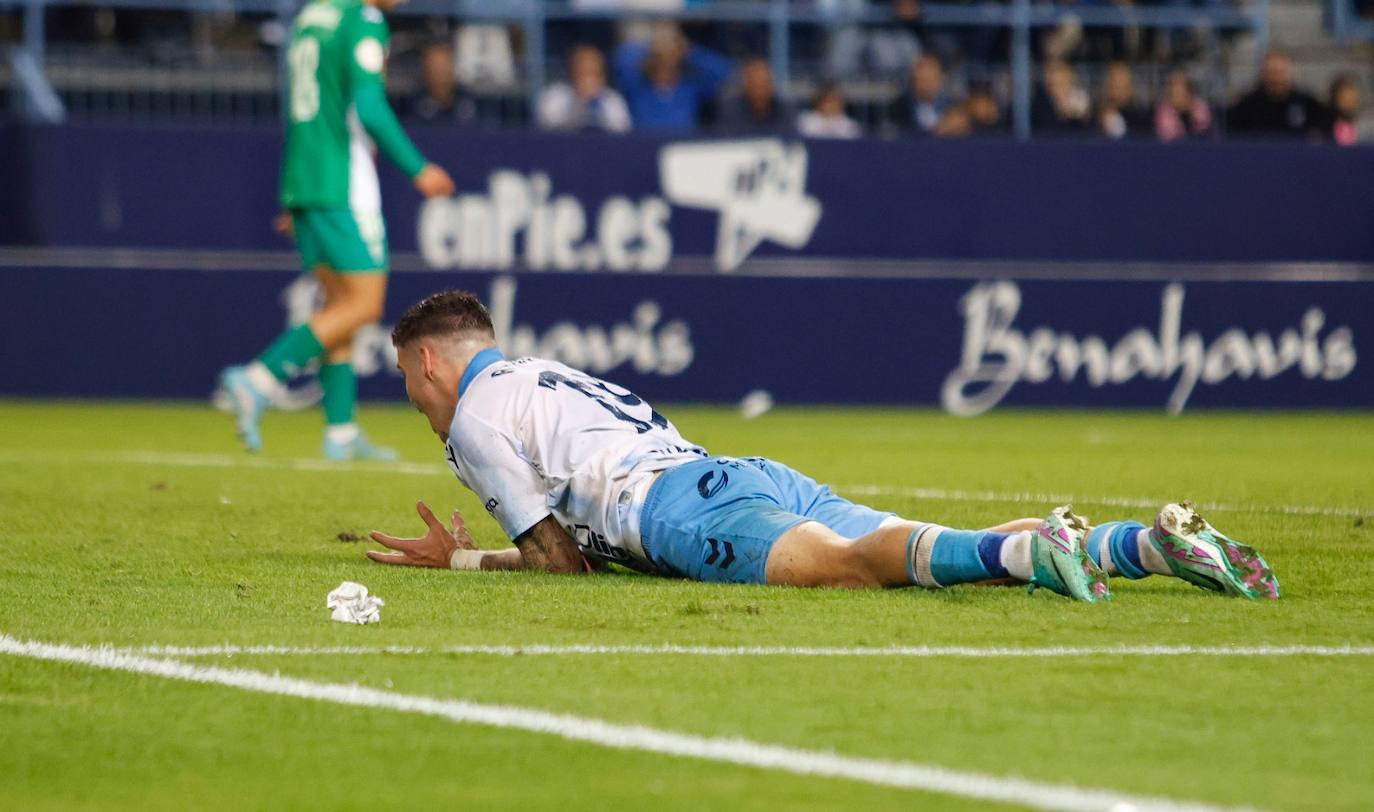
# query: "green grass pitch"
134,525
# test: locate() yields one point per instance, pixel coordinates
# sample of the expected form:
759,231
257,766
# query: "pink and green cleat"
1199,554
1059,561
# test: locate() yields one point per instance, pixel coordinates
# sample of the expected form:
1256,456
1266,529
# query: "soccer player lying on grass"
576,470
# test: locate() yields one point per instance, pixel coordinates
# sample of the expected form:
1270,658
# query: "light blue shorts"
716,519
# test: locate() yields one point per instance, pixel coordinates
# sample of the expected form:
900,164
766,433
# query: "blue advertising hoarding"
529,200
962,274
963,344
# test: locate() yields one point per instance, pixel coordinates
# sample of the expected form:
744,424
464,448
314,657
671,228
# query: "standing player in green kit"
337,111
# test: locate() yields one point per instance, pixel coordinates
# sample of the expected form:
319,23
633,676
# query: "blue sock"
990,551
939,556
1119,539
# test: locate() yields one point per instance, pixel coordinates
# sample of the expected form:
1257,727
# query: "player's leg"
756,521
1048,552
343,439
878,558
853,545
1184,545
330,245
357,299
353,278
347,253
899,554
252,388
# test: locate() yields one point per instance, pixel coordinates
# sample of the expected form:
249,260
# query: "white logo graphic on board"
998,353
758,186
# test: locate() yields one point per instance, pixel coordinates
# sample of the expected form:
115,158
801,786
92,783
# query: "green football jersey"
336,66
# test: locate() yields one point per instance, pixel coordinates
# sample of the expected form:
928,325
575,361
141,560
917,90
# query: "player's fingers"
387,558
429,517
394,543
460,532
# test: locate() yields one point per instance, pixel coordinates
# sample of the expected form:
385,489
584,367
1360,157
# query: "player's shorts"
344,240
717,519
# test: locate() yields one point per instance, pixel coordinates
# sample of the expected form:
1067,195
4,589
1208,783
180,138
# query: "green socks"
296,348
291,352
340,392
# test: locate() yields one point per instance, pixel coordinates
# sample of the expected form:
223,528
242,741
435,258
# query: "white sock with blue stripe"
940,556
1125,549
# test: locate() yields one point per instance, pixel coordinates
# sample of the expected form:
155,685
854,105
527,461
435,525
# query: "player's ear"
427,361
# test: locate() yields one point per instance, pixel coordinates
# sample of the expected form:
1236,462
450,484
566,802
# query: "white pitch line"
195,460
228,650
1110,501
742,752
420,469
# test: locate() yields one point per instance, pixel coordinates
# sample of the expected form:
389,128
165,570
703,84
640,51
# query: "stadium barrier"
1054,274
966,344
639,203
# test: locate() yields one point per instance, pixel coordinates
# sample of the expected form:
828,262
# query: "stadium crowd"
899,81
668,83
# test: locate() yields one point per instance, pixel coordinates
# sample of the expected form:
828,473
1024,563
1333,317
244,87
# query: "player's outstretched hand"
285,226
433,181
433,549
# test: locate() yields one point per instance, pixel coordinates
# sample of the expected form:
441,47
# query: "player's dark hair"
445,313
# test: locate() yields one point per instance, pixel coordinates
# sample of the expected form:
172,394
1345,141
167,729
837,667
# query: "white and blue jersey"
533,438
536,438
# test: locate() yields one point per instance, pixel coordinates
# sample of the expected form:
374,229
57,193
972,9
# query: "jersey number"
304,60
603,395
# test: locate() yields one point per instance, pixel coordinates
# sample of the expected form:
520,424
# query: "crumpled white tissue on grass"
352,604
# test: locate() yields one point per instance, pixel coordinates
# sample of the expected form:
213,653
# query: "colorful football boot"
1059,561
1201,555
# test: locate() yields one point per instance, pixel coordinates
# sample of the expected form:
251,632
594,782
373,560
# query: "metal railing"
1021,17
1345,22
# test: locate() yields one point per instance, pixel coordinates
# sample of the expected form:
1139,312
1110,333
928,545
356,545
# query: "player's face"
427,394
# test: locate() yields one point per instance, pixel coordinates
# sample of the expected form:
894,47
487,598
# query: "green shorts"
343,240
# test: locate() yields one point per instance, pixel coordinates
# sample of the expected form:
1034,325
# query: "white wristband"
466,559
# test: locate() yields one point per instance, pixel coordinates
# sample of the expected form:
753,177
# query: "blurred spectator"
668,80
1118,116
1061,106
1343,112
985,115
1275,108
957,123
877,50
584,102
440,98
1182,113
757,109
925,101
826,118
953,44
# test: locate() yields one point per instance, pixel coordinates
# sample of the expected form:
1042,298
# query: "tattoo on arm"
547,546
